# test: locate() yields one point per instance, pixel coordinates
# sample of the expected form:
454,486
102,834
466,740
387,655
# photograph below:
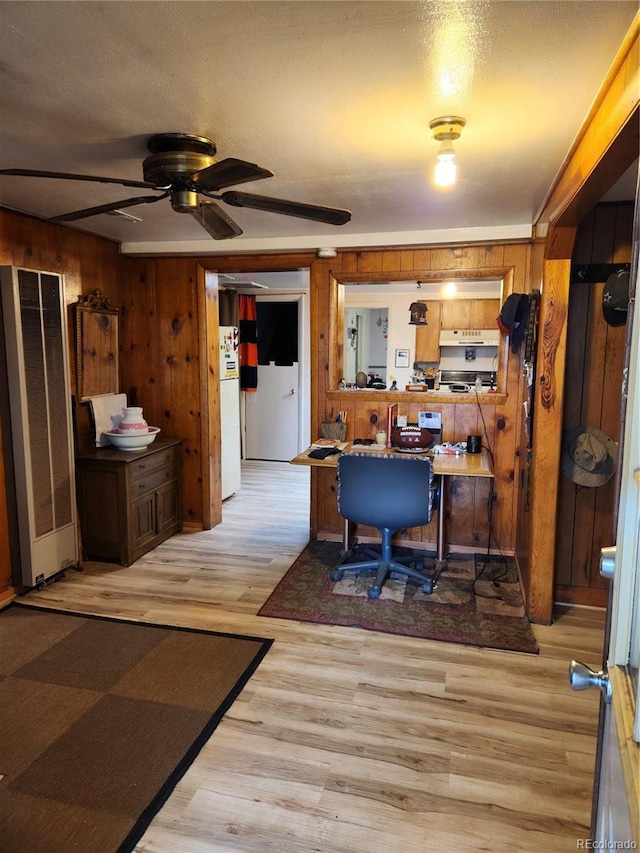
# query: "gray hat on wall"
588,456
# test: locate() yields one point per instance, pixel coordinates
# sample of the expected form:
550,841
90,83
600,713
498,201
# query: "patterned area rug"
100,718
477,600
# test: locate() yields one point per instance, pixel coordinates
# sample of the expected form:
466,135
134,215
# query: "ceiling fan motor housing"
174,158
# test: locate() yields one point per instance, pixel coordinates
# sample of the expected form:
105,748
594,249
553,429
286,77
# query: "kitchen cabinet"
128,502
456,314
484,313
428,337
470,313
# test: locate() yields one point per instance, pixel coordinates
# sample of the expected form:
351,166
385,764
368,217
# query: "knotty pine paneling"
160,351
466,507
163,327
161,360
87,263
595,357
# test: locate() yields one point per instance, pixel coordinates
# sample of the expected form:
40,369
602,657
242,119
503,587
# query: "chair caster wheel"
427,587
337,575
373,592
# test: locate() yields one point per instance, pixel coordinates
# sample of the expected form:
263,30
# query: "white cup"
381,437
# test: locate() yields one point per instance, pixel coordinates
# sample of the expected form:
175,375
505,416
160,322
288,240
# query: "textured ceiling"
334,97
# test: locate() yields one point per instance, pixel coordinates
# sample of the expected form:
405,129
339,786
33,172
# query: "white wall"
400,334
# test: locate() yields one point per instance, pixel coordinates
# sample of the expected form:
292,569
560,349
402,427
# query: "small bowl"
133,440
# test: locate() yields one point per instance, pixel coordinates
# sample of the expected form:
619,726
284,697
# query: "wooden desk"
330,462
444,465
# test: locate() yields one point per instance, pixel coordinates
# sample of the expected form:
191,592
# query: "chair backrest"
391,491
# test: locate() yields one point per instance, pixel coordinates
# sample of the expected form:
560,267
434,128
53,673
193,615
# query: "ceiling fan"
182,167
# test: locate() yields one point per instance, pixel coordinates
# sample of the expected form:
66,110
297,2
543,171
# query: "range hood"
469,338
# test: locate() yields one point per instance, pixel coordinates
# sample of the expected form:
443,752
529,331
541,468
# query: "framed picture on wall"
402,358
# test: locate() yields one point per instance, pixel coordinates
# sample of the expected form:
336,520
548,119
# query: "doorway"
276,415
593,395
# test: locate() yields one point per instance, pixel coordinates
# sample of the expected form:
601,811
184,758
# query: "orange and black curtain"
248,337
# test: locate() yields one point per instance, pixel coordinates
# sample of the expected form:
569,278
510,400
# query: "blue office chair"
389,492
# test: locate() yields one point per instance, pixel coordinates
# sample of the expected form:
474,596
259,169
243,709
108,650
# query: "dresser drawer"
152,480
152,462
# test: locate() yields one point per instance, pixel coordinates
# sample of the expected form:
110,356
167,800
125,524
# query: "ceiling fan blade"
66,176
106,208
227,173
214,220
330,215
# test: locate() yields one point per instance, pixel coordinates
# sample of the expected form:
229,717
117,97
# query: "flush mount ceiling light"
445,130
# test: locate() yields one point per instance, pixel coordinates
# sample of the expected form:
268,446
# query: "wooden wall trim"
208,334
546,437
606,146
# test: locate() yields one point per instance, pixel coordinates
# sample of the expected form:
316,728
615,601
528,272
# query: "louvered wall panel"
37,365
53,324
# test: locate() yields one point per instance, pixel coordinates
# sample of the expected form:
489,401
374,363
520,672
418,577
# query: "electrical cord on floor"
496,581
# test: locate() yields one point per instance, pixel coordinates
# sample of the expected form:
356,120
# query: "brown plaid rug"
100,718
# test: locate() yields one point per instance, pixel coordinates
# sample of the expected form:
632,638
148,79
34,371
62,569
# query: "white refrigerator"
229,410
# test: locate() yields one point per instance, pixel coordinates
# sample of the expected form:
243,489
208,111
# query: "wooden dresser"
128,502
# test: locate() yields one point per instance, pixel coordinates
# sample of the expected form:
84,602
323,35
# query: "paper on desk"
107,414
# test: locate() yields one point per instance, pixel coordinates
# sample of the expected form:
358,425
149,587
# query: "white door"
271,414
616,816
275,416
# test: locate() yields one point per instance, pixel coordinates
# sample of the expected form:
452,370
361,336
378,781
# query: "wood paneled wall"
160,360
87,263
164,363
594,363
169,338
467,505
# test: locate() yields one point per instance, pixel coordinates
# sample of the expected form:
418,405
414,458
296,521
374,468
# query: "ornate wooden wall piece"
96,340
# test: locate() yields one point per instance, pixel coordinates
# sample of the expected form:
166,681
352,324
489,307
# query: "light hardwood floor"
347,740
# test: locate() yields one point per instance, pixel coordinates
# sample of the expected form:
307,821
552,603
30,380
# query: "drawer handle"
144,487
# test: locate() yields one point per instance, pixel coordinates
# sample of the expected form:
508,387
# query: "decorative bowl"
132,440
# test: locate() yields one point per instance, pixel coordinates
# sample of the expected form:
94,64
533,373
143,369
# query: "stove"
462,378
